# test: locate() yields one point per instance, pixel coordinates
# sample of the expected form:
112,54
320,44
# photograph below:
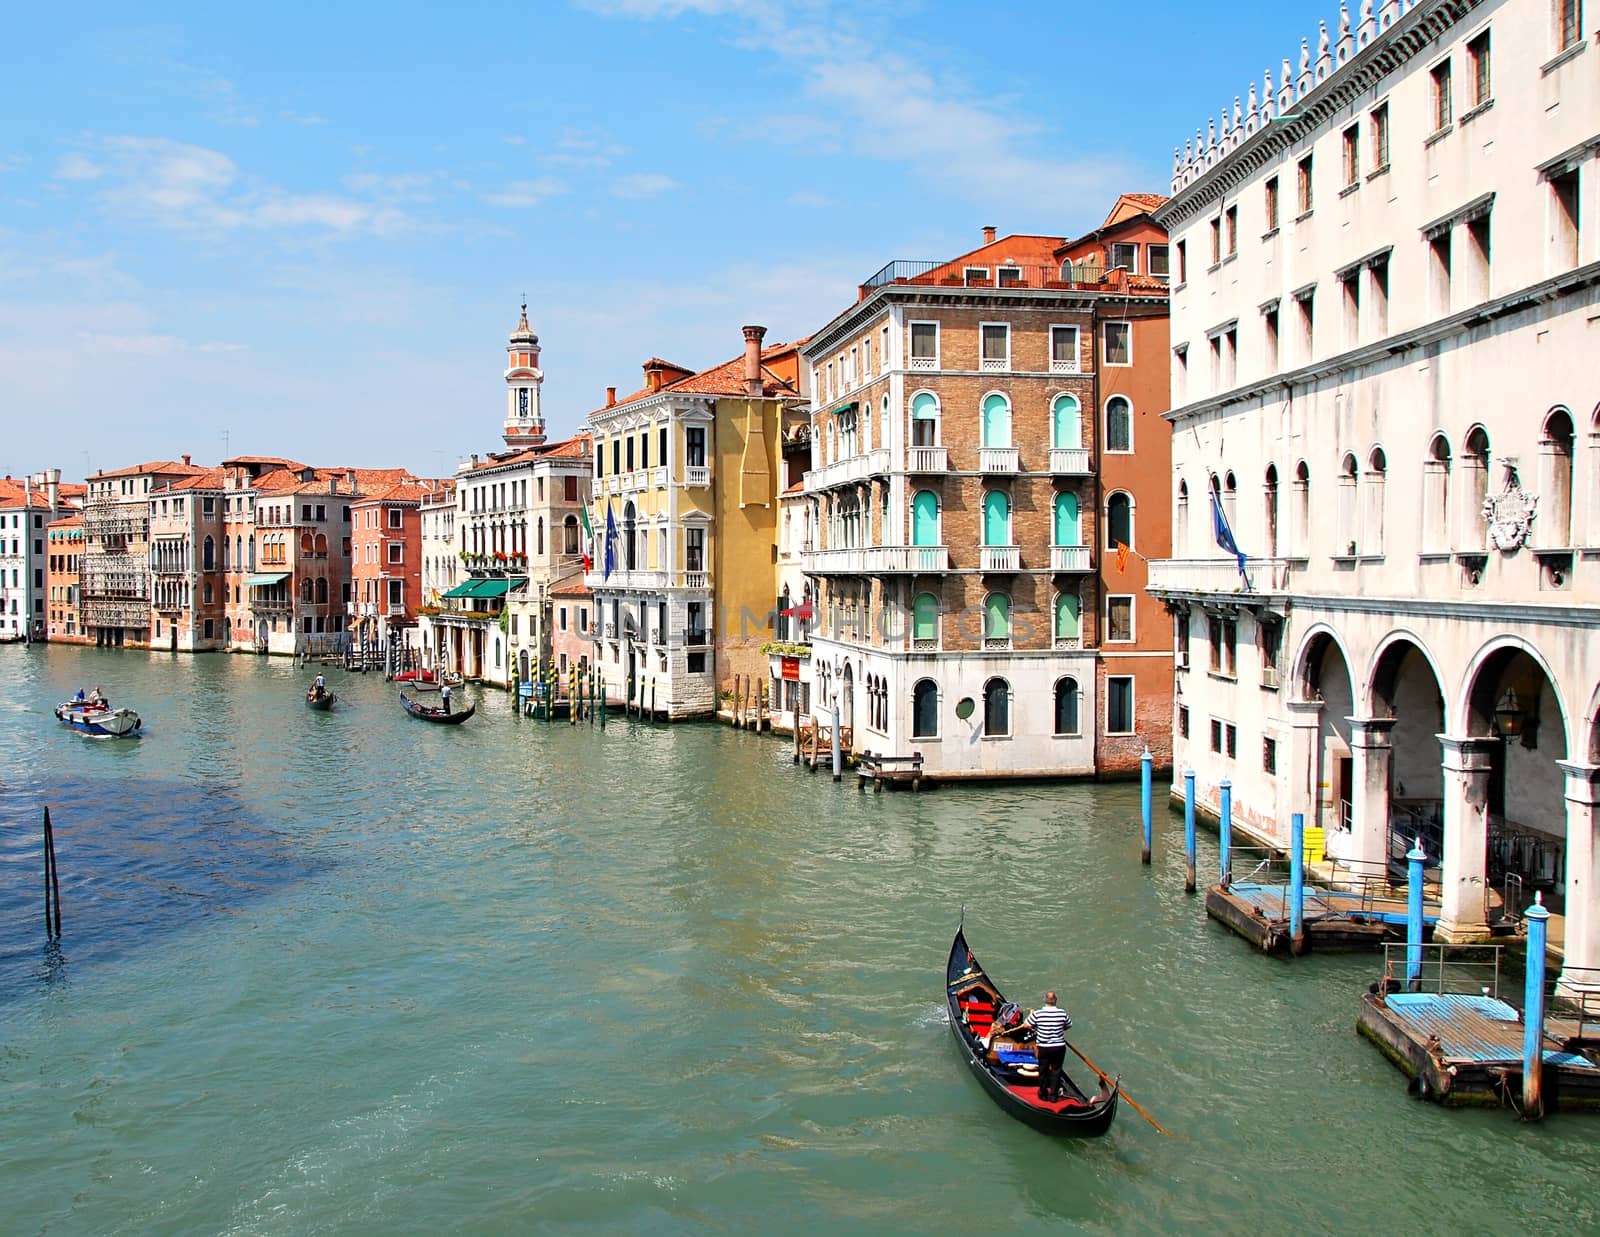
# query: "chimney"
350,476
611,397
186,461
52,480
988,234
753,336
652,375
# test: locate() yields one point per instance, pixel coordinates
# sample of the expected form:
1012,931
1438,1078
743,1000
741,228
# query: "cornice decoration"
1567,160
1475,209
1220,157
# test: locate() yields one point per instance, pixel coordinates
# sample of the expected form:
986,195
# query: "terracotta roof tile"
175,467
725,379
571,586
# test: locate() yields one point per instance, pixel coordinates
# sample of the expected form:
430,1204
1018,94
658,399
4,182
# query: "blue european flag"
1224,534
611,542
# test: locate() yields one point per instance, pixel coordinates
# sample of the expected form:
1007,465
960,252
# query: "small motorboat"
453,718
321,699
998,1049
427,680
95,717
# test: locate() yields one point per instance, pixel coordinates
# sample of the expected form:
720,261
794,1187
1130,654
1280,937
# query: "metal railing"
1083,276
1460,969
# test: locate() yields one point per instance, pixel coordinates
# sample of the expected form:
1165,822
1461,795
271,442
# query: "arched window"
997,620
630,543
208,555
849,520
569,536
307,590
305,544
925,621
925,709
1067,707
1475,466
1230,499
1066,423
1068,618
1119,520
924,419
1068,526
996,421
1302,509
1436,497
320,546
226,556
1372,519
322,590
1180,521
539,536
208,592
1554,524
925,518
1270,504
1119,424
996,707
996,518
1347,506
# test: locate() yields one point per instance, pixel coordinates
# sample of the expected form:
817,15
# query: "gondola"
1007,1067
321,702
453,718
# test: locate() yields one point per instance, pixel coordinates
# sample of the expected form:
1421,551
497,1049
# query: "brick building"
64,549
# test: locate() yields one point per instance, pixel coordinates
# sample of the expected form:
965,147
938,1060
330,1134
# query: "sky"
305,230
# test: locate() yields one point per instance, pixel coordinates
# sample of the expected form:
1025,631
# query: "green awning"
460,590
490,588
265,581
849,406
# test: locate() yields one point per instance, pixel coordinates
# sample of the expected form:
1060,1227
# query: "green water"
352,973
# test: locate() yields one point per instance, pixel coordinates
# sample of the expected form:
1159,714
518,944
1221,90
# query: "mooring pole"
54,875
1188,830
1146,764
1415,858
602,700
1297,884
1225,833
1532,1011
652,699
838,767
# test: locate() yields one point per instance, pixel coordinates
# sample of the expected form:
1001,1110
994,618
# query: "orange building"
64,547
386,559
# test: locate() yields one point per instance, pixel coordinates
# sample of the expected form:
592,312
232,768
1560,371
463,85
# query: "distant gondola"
453,718
1006,1065
322,701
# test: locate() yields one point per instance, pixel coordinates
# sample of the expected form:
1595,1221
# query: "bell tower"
524,422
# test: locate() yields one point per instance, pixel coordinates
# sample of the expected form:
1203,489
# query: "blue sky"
308,227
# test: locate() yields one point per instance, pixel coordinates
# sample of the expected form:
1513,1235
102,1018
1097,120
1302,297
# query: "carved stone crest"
1510,514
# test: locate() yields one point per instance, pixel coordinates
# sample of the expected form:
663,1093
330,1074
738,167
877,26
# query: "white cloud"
12,163
525,193
642,185
76,167
514,139
149,345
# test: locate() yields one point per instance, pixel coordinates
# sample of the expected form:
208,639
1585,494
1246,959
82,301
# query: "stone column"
1371,752
1466,838
1580,971
1305,719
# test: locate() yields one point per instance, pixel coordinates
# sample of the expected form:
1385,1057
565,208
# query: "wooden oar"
1111,1082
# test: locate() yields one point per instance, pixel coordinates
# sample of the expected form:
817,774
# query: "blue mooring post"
1188,830
1297,884
1146,764
1415,858
1225,833
1533,1013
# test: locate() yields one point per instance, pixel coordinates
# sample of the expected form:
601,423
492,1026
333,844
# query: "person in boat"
319,686
80,697
1050,1023
444,697
97,697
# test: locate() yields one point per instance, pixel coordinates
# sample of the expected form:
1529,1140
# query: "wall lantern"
1509,716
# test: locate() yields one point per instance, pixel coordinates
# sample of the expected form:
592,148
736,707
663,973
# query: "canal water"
349,972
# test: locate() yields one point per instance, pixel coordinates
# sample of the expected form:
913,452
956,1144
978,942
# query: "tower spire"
524,425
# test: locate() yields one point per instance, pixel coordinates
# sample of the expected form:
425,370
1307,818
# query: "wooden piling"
52,876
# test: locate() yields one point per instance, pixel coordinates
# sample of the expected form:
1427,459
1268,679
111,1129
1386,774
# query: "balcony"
928,459
1219,575
697,475
997,460
998,558
878,560
846,471
1071,558
613,484
1070,461
696,638
694,579
658,477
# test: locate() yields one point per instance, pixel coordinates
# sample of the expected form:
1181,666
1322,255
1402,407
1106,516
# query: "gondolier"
1050,1023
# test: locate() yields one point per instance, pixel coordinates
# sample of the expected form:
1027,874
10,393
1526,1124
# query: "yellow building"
687,476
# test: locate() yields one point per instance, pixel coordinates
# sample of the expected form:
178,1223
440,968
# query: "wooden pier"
890,771
1335,919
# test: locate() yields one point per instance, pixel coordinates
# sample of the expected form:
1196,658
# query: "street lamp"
1510,718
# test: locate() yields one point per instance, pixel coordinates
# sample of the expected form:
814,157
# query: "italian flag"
588,539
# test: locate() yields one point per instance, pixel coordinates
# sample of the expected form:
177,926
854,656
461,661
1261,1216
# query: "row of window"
997,708
624,457
1116,346
849,434
849,519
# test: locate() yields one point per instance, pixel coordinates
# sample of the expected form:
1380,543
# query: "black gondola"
1005,1066
322,700
453,718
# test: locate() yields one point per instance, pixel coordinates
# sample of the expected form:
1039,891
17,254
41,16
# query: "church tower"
524,421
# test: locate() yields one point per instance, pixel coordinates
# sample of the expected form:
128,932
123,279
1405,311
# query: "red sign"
791,669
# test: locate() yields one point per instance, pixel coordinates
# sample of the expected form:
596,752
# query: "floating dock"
1334,919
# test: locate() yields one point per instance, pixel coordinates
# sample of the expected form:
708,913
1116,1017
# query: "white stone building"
26,506
1387,278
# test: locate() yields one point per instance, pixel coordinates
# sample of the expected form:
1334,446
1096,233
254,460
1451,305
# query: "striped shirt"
1051,1023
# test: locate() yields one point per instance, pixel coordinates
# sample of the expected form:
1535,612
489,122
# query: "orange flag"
1122,556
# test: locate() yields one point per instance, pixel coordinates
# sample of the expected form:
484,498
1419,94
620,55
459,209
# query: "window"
397,595
996,345
1307,323
1269,640
1118,343
997,620
996,428
1063,350
1216,241
1119,520
1183,261
1565,220
925,709
1067,707
1119,619
924,419
1439,272
1350,298
1352,155
924,345
1157,257
1119,424
1232,218
1478,69
1216,734
996,708
694,446
1378,126
1477,264
1569,23
1272,204
1304,186
1440,76
1269,755
1180,640
397,549
1269,323
925,621
1069,622
1180,373
1127,257
394,517
1380,296
1223,634
1183,721
1119,704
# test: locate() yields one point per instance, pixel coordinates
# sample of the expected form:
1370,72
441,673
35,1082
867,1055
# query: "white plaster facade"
31,505
1355,376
